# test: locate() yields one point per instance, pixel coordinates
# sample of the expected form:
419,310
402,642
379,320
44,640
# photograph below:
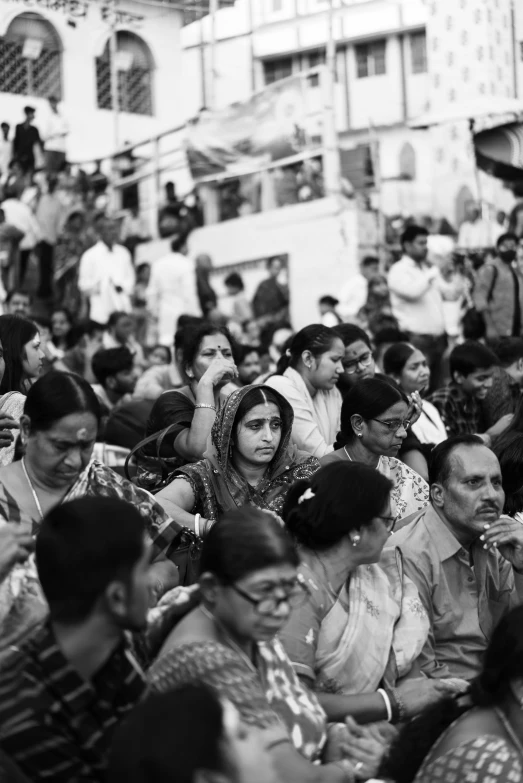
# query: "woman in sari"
229,642
58,432
375,418
248,461
307,375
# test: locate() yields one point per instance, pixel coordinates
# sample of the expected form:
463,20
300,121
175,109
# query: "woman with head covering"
249,461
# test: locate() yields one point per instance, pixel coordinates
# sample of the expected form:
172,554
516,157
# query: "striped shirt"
54,724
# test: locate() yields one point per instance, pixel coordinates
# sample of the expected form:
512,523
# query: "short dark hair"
117,316
142,750
29,110
245,541
471,356
369,398
439,462
329,300
18,292
370,261
85,328
413,232
321,521
350,333
58,394
15,332
389,334
246,350
234,280
508,350
108,362
473,325
81,547
503,238
396,357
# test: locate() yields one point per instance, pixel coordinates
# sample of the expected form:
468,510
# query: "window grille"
134,84
20,75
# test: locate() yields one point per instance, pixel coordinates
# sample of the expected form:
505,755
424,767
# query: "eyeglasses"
364,360
393,425
390,522
267,605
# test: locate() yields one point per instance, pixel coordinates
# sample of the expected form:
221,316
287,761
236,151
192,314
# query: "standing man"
271,300
49,214
55,136
498,294
106,277
416,299
27,139
172,290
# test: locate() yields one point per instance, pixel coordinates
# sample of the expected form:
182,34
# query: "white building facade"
62,48
396,59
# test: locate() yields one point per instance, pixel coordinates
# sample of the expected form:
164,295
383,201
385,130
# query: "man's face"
275,267
123,382
123,329
108,230
370,270
30,116
20,304
250,368
417,249
477,384
472,496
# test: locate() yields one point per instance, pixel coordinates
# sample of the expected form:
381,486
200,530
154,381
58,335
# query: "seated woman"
23,362
478,738
356,639
208,363
58,432
248,583
307,376
375,418
408,367
249,461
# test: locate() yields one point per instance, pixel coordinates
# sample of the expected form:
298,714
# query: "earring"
356,540
359,434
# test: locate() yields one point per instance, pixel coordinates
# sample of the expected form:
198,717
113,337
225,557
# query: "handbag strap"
157,437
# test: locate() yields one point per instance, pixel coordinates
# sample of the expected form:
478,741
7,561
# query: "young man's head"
114,371
509,351
5,130
249,364
274,266
87,337
234,284
108,230
328,304
121,326
472,367
18,302
93,561
414,242
29,113
370,267
506,246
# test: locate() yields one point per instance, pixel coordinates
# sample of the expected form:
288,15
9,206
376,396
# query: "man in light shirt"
55,135
353,295
416,299
106,277
474,232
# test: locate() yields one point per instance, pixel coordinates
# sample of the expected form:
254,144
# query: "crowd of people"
254,554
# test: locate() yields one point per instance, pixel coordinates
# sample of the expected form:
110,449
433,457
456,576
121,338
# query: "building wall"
92,129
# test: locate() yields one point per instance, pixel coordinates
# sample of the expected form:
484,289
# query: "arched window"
134,67
407,162
31,58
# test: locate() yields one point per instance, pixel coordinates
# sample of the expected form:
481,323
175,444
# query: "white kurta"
102,271
171,293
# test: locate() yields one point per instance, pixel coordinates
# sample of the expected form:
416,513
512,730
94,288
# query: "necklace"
230,641
33,490
349,457
509,730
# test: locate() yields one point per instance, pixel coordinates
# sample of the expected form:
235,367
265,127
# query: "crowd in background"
232,550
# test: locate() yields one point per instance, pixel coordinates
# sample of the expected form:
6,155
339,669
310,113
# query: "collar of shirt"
444,540
458,395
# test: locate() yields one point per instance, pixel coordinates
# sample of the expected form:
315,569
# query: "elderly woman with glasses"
375,418
248,584
356,639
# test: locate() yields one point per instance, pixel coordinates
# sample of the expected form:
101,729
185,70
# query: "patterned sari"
22,604
368,634
217,485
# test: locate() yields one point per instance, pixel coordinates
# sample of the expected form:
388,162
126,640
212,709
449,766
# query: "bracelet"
398,707
388,705
204,405
197,521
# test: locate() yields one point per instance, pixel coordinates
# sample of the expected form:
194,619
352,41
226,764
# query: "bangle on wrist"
197,524
388,705
205,405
